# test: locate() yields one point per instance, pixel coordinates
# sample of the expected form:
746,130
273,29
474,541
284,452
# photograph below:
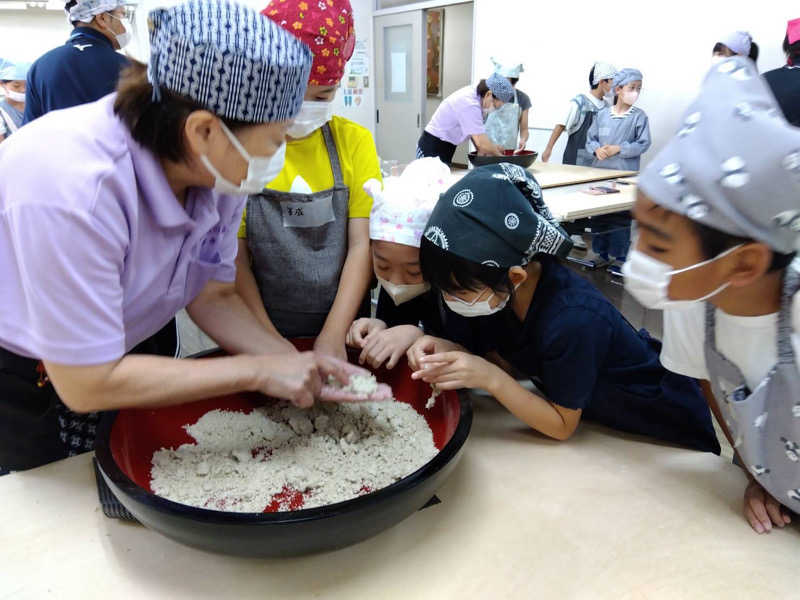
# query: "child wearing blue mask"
491,251
719,222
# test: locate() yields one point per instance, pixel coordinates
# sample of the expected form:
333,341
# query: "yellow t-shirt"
308,158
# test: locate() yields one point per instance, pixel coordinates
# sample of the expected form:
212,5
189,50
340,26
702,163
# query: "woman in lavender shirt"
114,215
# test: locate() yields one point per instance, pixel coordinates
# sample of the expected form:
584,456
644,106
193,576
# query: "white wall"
669,42
456,61
27,34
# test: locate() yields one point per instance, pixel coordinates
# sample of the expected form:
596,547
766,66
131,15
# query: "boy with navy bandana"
490,252
719,218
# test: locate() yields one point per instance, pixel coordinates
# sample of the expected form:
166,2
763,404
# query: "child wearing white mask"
719,225
12,107
400,212
304,262
621,133
490,252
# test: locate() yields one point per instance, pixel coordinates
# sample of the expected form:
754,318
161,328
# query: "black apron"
575,152
36,428
430,145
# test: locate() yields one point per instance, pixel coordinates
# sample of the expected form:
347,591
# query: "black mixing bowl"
127,439
524,159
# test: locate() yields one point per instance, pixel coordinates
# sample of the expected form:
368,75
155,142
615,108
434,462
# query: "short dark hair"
592,84
791,50
157,126
714,242
449,273
720,48
482,88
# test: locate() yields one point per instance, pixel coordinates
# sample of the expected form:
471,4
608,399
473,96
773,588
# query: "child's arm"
456,370
760,509
557,131
353,284
524,131
642,142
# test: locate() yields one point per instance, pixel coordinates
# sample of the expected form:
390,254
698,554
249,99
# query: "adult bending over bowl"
136,219
462,116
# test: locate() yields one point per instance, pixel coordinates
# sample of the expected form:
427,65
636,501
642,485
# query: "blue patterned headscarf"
229,59
500,87
626,76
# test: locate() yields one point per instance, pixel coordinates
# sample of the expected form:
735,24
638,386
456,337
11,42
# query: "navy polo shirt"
83,70
785,84
583,354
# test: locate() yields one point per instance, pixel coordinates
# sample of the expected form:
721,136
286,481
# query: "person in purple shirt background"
130,214
462,116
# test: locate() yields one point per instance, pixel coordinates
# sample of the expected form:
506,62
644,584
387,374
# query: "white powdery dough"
331,452
363,385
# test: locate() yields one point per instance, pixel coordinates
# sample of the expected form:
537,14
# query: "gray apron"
298,243
502,126
765,423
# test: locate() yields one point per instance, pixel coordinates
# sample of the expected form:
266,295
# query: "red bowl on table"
127,439
523,158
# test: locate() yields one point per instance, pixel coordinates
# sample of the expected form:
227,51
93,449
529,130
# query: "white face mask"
15,96
475,308
311,117
488,111
400,293
630,97
260,169
717,58
648,279
124,38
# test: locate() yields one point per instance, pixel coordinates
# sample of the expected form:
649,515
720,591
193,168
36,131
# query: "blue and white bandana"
229,59
501,87
626,76
86,10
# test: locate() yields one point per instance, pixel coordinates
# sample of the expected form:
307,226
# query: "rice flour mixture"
279,457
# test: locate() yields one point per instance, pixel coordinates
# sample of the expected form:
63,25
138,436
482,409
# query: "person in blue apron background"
785,81
617,138
12,107
620,134
505,131
583,109
719,224
735,43
304,262
407,307
87,66
491,251
463,116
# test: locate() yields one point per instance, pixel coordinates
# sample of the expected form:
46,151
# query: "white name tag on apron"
314,213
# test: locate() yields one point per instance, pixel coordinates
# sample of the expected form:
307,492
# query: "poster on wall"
434,33
356,75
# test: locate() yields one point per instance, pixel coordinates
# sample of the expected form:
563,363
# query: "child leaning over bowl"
405,303
491,252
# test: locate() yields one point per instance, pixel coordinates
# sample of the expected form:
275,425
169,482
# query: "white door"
399,91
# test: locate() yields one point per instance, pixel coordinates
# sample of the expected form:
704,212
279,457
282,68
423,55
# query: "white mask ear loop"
706,262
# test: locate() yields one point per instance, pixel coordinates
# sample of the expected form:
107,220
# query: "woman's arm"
485,146
355,279
221,312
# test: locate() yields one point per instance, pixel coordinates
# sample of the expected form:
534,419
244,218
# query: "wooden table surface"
599,516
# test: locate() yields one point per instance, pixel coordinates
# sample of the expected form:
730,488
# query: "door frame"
382,12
